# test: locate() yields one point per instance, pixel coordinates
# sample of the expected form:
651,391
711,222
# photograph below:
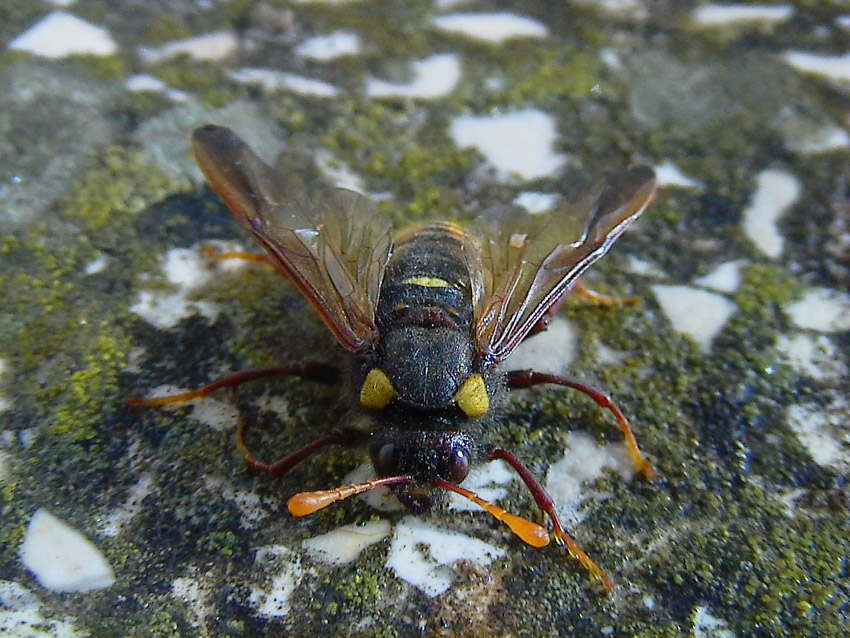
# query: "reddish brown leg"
603,301
528,378
545,502
214,254
318,372
585,294
346,437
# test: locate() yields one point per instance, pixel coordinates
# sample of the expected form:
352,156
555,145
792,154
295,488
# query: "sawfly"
427,317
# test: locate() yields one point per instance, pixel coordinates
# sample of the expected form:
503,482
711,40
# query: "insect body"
424,377
427,318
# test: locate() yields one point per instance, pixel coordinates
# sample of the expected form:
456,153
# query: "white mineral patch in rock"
96,265
187,269
824,434
815,356
537,203
776,192
248,502
552,351
143,82
343,544
609,357
821,309
272,600
445,5
611,57
329,47
273,80
21,616
422,554
832,67
61,34
645,268
514,143
338,172
28,436
210,46
668,174
819,140
718,15
220,415
485,480
195,596
789,501
725,277
630,8
698,313
584,460
121,516
491,27
166,311
434,77
61,558
708,626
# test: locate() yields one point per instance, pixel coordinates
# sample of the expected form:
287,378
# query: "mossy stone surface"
742,521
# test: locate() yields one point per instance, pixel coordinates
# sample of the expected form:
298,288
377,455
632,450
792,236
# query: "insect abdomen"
427,281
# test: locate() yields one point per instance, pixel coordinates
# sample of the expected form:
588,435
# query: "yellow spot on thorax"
472,397
377,390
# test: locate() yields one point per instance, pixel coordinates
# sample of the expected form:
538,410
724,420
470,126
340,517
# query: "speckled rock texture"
733,371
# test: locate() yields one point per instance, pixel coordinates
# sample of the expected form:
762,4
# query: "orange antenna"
531,533
306,503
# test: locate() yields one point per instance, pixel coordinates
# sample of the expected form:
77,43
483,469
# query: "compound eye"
388,459
457,465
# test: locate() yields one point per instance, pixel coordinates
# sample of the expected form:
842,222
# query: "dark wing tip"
208,129
641,173
216,141
628,183
625,194
232,170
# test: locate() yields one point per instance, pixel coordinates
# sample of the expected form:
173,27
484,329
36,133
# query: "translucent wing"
332,245
524,268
